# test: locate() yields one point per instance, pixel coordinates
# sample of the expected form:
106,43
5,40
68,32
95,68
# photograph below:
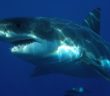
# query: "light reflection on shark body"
57,46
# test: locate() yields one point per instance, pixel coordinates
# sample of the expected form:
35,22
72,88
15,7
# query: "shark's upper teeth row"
21,45
22,42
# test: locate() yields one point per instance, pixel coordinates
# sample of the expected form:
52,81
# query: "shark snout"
6,35
11,36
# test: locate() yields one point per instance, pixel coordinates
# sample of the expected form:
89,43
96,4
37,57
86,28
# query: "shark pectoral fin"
39,71
101,71
96,66
93,20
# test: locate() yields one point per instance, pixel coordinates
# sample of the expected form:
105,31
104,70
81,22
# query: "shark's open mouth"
20,44
23,42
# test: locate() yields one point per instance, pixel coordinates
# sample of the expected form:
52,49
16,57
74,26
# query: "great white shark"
59,46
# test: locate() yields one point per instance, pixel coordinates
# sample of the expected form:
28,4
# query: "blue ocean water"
15,74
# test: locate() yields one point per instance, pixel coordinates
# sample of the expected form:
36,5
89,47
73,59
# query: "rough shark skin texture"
59,46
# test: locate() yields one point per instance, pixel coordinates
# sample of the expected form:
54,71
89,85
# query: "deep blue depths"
15,77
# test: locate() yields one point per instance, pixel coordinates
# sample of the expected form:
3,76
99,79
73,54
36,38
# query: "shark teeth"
20,45
18,48
23,42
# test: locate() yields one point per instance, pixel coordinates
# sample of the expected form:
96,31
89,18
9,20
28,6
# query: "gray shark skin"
59,46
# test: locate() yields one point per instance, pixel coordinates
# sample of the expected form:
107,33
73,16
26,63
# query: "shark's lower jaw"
20,45
18,48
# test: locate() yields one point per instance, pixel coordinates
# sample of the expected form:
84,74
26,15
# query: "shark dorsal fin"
93,20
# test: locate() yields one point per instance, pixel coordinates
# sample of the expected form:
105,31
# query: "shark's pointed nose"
2,34
6,35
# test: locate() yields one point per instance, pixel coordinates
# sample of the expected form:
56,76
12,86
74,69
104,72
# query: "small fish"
75,92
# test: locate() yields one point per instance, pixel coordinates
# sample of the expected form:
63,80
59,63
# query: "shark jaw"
32,47
20,45
23,42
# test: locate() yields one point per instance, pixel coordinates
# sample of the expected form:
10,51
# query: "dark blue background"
15,77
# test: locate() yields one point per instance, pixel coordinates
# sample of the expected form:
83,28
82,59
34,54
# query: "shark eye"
18,25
